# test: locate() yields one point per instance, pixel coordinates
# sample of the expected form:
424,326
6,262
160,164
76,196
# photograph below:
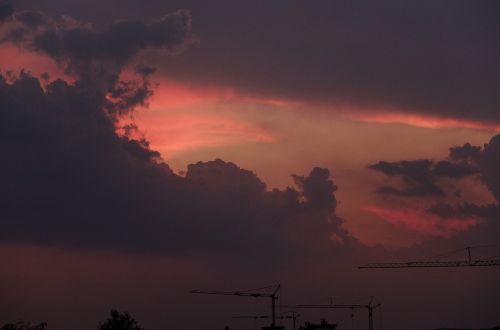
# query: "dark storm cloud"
467,152
96,57
421,177
489,163
69,179
144,70
485,161
438,58
5,9
317,188
97,54
448,169
126,95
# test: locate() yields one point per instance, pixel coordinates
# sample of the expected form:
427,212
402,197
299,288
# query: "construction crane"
468,261
273,295
293,316
370,307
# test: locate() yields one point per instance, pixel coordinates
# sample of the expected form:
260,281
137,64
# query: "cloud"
97,55
484,161
416,175
465,152
433,121
76,175
448,169
420,177
424,223
437,64
69,179
443,210
5,9
173,134
417,59
489,163
226,178
318,190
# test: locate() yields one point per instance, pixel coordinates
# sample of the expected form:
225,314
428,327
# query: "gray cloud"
468,160
489,163
5,9
97,55
467,152
437,59
488,211
318,190
421,177
433,58
454,170
69,179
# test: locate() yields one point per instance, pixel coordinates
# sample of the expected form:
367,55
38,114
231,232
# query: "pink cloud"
15,59
421,222
170,93
423,121
174,133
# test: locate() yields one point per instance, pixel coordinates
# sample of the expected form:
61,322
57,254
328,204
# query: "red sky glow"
419,221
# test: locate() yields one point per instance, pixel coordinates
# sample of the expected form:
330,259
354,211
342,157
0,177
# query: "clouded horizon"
153,148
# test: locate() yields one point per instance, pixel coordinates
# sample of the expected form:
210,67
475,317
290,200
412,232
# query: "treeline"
116,321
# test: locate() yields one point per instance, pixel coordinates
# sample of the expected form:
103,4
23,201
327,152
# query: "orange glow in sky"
15,59
173,94
185,121
177,133
423,121
424,223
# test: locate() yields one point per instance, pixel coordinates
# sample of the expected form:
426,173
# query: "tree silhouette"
119,321
24,326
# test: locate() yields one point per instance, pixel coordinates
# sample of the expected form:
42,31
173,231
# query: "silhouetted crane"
467,262
273,295
370,307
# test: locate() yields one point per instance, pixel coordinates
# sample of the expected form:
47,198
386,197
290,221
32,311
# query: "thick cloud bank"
435,58
438,59
69,178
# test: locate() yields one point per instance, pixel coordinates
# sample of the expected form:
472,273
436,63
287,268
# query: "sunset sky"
154,147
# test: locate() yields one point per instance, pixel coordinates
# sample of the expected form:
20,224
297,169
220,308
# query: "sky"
155,147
